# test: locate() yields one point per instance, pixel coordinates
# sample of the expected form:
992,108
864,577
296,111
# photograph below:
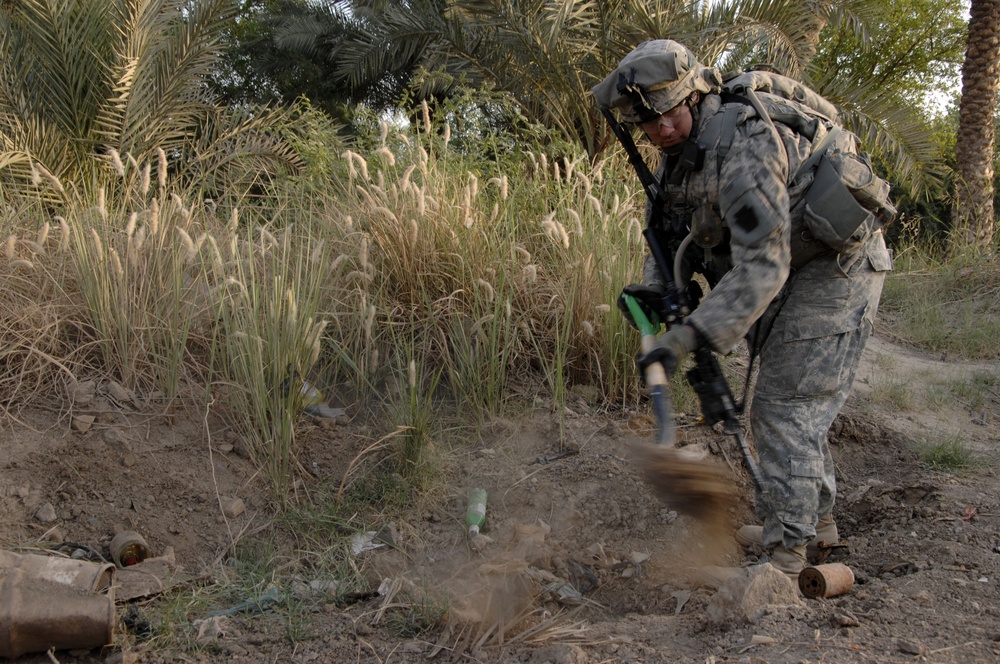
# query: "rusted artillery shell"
81,574
827,580
36,615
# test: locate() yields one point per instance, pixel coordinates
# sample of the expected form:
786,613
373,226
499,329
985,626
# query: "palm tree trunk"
972,215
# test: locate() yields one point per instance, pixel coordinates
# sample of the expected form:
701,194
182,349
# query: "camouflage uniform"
810,324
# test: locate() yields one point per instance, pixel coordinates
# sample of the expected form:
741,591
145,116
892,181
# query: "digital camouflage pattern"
812,322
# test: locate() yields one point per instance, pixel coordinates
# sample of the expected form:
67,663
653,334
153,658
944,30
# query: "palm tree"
973,215
547,54
82,77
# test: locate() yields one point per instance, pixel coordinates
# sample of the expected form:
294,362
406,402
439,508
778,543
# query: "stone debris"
749,596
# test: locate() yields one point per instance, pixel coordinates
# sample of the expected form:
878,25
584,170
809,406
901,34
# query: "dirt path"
580,563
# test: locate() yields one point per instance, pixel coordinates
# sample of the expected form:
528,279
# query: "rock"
749,595
82,393
46,513
82,423
232,507
560,653
119,393
909,647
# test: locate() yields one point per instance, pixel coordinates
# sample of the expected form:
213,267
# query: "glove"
650,298
670,349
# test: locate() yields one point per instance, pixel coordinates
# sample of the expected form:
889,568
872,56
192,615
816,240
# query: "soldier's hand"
649,298
670,349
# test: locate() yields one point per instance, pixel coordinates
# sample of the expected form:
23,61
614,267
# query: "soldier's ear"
694,98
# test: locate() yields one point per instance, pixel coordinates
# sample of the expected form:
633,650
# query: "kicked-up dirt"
578,562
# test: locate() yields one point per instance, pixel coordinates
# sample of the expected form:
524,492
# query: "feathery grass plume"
504,189
577,224
131,160
161,168
136,242
116,162
389,214
187,243
467,207
595,206
426,113
405,181
217,261
43,233
144,180
383,131
447,134
317,253
357,275
603,308
616,205
36,175
495,212
530,273
485,285
412,370
586,183
588,328
633,224
63,233
154,218
414,231
380,187
98,246
337,262
369,322
363,254
421,204
9,246
534,161
267,241
53,180
352,172
116,263
293,307
369,201
234,221
522,253
404,138
506,308
386,154
102,203
34,246
473,185
22,263
543,165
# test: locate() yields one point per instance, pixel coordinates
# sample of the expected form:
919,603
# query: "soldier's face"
670,128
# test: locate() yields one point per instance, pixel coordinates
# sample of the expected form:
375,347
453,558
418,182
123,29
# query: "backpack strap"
818,151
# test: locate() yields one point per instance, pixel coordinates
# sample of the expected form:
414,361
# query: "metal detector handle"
655,375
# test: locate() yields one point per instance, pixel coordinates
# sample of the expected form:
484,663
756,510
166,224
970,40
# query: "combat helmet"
653,78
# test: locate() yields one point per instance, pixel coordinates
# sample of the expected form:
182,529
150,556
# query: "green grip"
639,316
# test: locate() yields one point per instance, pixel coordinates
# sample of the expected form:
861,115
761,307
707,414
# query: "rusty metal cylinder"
829,580
81,574
128,548
37,615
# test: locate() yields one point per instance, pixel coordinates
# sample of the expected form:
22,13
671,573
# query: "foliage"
84,77
945,305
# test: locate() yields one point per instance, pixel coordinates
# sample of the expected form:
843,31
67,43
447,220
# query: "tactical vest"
841,200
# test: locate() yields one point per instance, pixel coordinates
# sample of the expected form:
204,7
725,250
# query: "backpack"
846,201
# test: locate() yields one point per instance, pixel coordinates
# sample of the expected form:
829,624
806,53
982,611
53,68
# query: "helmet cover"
653,78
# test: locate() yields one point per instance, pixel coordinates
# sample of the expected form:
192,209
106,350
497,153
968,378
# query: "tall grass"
488,275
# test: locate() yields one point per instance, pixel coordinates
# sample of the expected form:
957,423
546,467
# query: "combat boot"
827,538
789,561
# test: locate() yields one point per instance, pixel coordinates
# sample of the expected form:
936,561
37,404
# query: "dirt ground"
578,561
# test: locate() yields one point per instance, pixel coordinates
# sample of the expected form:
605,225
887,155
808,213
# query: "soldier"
731,167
